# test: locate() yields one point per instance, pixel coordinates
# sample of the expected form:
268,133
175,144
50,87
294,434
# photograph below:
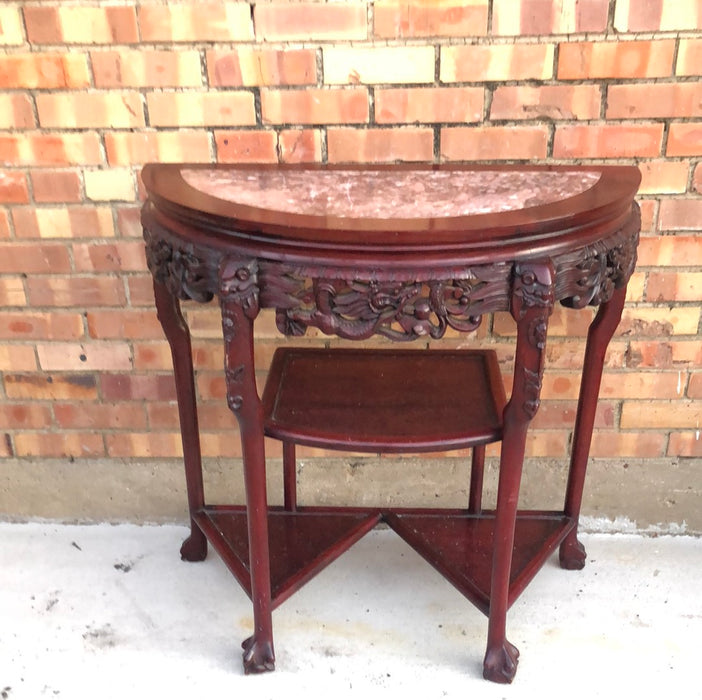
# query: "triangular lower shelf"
460,548
300,544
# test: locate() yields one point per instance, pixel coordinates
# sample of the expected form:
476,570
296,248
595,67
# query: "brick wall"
90,91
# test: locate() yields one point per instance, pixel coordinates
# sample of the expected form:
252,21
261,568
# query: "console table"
405,252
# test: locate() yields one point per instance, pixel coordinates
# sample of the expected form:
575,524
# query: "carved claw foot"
500,663
572,554
195,547
258,656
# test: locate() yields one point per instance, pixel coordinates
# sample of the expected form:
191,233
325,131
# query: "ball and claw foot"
195,547
500,663
572,554
258,656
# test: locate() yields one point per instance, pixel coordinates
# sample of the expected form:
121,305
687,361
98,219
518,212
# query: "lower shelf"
458,545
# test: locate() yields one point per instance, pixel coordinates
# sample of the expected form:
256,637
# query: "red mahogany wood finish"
404,252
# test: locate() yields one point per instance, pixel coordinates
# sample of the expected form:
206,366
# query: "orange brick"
119,416
201,109
81,110
55,357
24,415
51,186
122,256
37,149
20,325
687,444
249,67
654,100
315,106
665,354
225,21
475,63
396,20
681,215
137,387
585,60
546,443
694,388
75,291
659,322
611,444
140,290
223,445
300,145
546,101
12,292
635,385
152,356
10,26
246,146
16,112
81,25
561,414
144,445
34,259
663,176
123,324
380,145
697,178
146,68
44,70
426,105
654,15
161,147
49,387
661,414
649,214
13,187
129,221
307,21
685,139
17,358
384,64
689,57
607,141
670,251
674,286
548,16
59,445
5,231
494,142
63,222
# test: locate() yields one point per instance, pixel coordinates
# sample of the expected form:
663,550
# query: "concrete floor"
101,612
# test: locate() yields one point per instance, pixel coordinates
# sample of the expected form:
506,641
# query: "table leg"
532,303
572,553
477,469
176,330
243,400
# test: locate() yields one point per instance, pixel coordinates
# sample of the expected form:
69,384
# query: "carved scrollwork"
356,304
238,282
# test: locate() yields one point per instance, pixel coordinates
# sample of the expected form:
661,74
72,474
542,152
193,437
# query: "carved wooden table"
404,252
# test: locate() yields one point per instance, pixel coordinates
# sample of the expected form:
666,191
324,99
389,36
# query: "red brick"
12,292
378,64
665,354
59,445
685,139
63,222
129,221
146,68
25,326
611,444
24,415
44,70
694,389
380,145
654,100
134,387
34,259
13,187
81,25
16,112
697,178
5,230
144,445
607,141
57,357
140,290
51,186
201,109
75,291
548,16
37,149
396,20
160,147
670,251
685,444
659,322
426,105
546,101
118,416
663,176
307,21
152,356
122,256
674,286
48,387
246,146
314,106
249,67
477,63
300,146
681,215
689,57
561,414
585,60
124,324
494,142
649,214
224,21
81,110
654,15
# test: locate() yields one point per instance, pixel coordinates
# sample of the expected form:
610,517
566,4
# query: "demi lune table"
405,252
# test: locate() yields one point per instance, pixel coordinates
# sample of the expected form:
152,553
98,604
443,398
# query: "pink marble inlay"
382,194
